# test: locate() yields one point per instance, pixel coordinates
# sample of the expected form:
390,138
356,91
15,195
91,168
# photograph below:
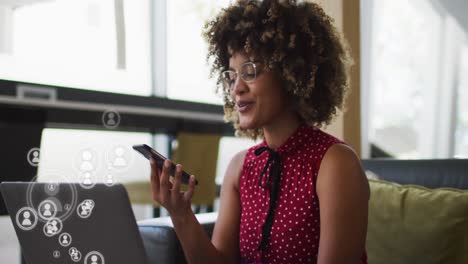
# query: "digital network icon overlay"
33,157
85,208
94,257
86,163
51,199
26,218
49,205
118,159
111,119
50,216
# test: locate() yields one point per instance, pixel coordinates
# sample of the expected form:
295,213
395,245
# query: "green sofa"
418,211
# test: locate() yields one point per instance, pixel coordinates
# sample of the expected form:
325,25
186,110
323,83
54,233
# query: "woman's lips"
243,107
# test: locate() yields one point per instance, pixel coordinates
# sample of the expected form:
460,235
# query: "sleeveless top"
295,232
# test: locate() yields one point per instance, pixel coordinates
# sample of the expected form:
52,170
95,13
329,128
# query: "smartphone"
148,152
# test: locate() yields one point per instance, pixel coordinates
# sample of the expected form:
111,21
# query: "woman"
300,196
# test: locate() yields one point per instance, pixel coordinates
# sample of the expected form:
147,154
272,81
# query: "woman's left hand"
168,194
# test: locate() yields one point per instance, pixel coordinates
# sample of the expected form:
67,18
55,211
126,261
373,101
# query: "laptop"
67,223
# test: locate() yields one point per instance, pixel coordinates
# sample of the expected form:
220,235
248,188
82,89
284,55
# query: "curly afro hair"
296,40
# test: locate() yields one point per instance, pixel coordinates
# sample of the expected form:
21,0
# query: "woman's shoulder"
315,143
341,153
341,164
323,136
238,159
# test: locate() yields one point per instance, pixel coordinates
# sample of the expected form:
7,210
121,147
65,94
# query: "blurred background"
99,76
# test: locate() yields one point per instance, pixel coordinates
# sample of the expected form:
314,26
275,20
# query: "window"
413,75
79,43
188,73
92,156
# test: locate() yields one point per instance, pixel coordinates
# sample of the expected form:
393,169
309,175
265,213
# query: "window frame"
83,109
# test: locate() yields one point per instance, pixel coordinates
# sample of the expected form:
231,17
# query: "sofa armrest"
160,240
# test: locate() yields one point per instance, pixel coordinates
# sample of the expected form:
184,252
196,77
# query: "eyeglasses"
248,73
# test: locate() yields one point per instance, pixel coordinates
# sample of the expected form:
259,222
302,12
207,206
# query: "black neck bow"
273,183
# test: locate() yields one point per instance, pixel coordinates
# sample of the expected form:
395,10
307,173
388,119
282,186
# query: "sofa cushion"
413,224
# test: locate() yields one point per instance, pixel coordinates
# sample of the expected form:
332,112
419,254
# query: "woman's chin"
247,124
243,126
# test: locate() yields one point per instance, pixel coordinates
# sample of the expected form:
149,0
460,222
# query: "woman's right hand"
168,194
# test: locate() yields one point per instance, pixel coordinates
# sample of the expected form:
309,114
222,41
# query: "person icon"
35,158
47,210
84,211
119,160
65,239
85,208
52,228
26,218
51,188
75,254
26,221
86,164
94,259
111,119
109,179
87,179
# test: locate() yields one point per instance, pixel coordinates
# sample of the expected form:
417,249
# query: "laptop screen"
66,223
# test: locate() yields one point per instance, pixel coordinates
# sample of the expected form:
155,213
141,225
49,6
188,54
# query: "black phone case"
149,152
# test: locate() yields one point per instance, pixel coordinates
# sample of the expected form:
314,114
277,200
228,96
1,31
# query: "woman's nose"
239,86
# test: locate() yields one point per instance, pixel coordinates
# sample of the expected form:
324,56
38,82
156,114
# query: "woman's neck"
279,131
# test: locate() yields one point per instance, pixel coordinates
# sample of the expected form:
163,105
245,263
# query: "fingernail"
152,161
167,163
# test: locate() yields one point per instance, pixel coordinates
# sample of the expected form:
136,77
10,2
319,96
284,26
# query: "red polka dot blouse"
295,230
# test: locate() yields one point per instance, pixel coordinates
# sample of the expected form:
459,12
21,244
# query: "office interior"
99,76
